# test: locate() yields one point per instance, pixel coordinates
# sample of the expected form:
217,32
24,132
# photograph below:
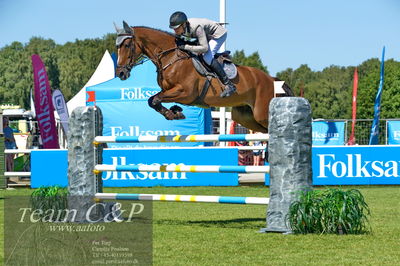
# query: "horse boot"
229,86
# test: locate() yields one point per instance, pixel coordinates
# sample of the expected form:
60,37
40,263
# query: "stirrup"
228,91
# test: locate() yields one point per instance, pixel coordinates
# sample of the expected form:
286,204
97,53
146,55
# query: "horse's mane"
161,31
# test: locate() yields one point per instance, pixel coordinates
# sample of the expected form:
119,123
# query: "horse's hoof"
176,109
179,116
169,115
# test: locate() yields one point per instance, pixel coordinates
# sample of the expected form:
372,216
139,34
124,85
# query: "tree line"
69,67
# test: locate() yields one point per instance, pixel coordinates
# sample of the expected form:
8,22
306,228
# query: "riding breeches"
213,46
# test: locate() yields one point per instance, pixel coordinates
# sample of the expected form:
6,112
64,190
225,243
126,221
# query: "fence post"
85,123
289,154
3,182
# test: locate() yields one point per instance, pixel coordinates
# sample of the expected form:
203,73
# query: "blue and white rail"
182,168
181,138
183,198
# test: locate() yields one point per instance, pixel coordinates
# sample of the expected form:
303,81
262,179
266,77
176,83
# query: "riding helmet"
177,19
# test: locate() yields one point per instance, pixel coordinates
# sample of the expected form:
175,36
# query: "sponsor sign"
328,133
342,165
190,156
55,172
393,132
356,165
43,105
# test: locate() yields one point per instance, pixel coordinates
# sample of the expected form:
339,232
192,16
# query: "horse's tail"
288,91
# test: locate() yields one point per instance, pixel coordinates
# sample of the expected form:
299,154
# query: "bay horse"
181,83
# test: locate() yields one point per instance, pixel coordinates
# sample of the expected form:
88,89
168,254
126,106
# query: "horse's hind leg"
260,114
244,116
261,103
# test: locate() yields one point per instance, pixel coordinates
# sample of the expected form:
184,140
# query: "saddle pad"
230,70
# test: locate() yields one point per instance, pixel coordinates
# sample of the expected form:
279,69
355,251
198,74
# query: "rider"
211,35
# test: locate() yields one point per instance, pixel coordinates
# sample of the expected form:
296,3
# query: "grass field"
221,234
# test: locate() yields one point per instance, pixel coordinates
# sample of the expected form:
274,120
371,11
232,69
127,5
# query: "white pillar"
222,111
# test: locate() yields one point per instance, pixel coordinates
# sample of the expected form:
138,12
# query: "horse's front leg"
174,113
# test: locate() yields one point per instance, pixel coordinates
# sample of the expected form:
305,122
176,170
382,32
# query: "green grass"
221,234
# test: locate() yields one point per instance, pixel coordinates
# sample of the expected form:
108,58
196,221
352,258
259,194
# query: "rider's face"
179,30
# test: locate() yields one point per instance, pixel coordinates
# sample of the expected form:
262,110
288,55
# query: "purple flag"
43,105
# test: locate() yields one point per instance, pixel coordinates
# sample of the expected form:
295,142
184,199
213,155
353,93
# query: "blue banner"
51,167
188,156
341,165
373,139
328,133
393,128
356,165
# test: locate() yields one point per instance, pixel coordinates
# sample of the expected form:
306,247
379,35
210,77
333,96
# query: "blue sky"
286,33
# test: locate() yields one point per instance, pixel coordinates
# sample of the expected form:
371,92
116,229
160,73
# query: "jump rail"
13,151
181,138
182,168
183,198
20,174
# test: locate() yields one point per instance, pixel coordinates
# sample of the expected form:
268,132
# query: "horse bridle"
128,67
132,63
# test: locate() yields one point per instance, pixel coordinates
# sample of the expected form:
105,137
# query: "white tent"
104,72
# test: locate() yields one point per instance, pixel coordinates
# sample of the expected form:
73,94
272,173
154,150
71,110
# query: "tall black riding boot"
229,86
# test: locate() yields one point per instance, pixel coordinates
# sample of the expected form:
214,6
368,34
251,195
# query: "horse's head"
128,51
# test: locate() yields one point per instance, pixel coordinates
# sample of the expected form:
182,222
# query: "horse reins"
160,55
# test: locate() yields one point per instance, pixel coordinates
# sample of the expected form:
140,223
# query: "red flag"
352,138
232,131
92,96
302,90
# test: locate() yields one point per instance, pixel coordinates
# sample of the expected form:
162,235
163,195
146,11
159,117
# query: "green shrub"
330,211
51,201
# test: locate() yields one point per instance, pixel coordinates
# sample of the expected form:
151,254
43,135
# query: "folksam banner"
50,167
356,165
43,105
331,165
328,133
393,132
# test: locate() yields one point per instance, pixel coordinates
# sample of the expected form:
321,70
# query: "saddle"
223,58
203,69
